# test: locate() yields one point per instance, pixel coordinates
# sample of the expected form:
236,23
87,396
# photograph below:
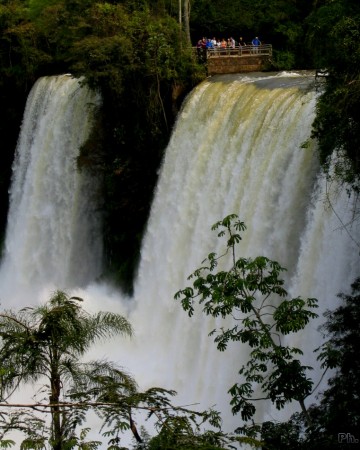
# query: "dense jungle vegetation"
138,55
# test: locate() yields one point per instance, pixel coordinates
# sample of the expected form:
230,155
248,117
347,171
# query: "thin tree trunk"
187,21
55,384
180,24
306,413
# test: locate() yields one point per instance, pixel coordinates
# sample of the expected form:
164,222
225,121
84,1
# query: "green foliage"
20,48
6,443
338,411
252,292
334,36
184,432
33,428
283,60
177,433
47,344
49,341
339,407
281,436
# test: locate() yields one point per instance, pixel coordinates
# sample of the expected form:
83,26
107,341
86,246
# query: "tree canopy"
335,417
49,342
335,36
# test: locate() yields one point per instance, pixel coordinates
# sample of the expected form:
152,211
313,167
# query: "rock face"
237,64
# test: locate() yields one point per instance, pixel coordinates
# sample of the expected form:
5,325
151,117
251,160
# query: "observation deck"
248,58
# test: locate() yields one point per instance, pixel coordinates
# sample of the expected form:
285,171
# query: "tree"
252,293
183,431
336,416
48,342
336,419
187,21
341,401
334,36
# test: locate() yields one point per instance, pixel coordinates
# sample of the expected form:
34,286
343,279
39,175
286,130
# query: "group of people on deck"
208,47
223,44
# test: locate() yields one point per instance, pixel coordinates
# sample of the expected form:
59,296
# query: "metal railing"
245,50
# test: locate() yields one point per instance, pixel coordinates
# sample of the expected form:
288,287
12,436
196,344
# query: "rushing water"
50,239
237,147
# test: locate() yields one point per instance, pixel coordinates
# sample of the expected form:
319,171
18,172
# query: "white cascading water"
237,147
50,239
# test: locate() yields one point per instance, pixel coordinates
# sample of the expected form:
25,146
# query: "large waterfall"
241,145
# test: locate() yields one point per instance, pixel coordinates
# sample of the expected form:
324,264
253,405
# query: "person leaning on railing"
256,43
242,44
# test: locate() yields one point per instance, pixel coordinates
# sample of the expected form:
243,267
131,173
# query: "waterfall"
54,223
241,144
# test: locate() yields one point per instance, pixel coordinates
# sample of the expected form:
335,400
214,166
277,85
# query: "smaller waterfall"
54,224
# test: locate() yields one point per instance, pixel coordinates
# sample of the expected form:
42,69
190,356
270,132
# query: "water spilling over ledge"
237,147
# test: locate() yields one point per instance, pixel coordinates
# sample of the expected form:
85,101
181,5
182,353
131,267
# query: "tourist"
201,49
256,43
241,45
198,48
223,46
209,44
228,46
209,47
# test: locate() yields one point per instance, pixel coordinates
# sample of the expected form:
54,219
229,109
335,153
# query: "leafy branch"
252,295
